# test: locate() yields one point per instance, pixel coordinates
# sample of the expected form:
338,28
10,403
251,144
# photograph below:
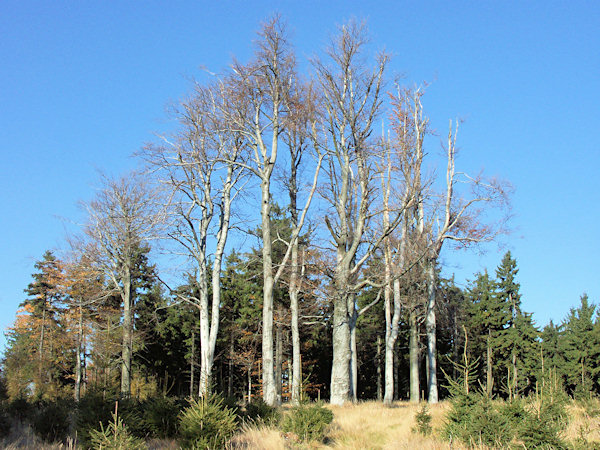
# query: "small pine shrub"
423,421
207,423
115,436
259,411
130,411
308,422
160,416
537,433
52,420
92,411
475,419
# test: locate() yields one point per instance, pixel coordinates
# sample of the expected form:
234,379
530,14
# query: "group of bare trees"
261,131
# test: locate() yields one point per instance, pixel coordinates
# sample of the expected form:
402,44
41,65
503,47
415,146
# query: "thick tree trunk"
390,344
430,326
413,356
340,369
127,349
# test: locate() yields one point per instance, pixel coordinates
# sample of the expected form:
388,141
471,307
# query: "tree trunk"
278,361
78,356
489,381
413,351
296,364
340,369
378,362
353,317
127,334
192,361
268,369
390,344
430,326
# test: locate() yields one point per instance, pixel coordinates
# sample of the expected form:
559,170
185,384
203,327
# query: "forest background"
542,119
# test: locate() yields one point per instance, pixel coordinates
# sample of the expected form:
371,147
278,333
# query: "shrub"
423,421
160,416
207,423
308,422
20,409
52,420
4,419
115,436
475,419
259,411
92,411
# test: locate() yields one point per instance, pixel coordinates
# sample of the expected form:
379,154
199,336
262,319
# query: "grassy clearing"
370,425
367,425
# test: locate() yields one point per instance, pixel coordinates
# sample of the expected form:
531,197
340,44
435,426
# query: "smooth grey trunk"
249,384
296,372
127,347
78,362
278,362
430,327
353,350
340,369
192,361
413,355
268,369
379,371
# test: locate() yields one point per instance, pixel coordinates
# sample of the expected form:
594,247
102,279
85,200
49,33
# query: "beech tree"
202,165
122,219
267,89
460,215
351,99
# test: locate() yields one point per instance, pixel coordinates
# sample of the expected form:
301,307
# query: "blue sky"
85,84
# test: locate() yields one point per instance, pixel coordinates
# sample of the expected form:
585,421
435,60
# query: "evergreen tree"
516,347
488,319
581,349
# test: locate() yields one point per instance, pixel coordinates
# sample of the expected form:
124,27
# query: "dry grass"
368,425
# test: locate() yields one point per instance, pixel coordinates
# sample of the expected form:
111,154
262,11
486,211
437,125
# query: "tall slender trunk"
268,369
379,371
41,345
127,350
413,352
192,361
489,380
430,326
78,356
278,361
296,361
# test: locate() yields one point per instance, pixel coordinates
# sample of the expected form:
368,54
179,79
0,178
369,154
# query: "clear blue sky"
84,84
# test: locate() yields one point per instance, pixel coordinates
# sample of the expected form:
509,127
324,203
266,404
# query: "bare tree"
351,99
202,165
266,88
121,220
463,216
